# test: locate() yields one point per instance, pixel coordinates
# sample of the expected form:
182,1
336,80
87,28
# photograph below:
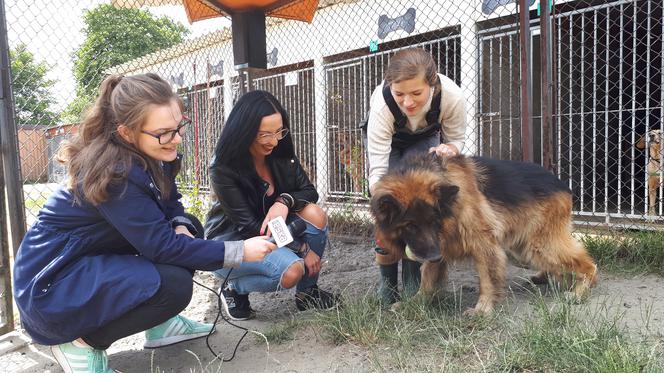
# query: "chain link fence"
607,79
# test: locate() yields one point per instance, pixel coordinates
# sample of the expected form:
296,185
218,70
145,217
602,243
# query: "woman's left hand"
181,229
278,209
444,150
312,261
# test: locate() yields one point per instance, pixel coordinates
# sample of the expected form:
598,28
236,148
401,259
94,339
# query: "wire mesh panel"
499,93
205,108
609,58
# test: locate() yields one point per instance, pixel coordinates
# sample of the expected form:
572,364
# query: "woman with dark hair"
256,177
112,252
411,111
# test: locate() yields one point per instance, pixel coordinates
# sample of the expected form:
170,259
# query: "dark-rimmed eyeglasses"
168,136
265,137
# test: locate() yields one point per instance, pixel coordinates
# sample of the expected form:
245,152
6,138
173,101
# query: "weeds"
281,332
635,252
195,202
433,335
560,339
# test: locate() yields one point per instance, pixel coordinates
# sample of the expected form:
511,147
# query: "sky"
52,32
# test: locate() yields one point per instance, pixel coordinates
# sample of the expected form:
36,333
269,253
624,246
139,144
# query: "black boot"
411,277
387,290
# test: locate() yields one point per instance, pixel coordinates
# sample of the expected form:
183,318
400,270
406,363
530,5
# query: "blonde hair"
410,63
98,157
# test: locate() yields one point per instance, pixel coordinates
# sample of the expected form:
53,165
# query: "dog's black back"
512,183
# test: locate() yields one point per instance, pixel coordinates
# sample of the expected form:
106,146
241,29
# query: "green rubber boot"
411,277
387,289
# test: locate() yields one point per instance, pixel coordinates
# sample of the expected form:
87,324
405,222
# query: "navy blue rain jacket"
81,266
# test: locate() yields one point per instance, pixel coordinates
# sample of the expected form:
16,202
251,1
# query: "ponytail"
98,157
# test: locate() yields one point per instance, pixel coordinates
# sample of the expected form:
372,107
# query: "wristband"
289,201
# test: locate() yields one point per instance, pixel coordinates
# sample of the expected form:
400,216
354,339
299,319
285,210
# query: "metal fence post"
7,128
526,82
9,142
546,56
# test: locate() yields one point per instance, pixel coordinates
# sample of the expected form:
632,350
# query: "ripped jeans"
265,276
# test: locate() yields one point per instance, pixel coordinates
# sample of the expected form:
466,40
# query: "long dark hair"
242,127
98,157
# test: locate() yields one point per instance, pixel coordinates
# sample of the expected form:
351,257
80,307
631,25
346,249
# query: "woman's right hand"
256,248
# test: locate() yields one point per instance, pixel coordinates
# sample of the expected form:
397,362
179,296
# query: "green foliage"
637,252
31,88
114,36
76,108
194,202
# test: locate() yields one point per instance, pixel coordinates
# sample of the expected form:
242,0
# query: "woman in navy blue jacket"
111,253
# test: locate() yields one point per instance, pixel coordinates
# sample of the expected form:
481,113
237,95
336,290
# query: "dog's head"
653,139
411,207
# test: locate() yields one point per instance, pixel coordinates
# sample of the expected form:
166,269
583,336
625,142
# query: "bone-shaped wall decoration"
488,6
404,22
217,69
178,80
272,57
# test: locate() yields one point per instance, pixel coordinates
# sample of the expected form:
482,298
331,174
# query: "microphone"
295,228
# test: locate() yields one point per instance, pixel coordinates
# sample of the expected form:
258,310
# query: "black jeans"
172,297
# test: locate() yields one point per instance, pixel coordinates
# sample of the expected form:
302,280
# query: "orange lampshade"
300,10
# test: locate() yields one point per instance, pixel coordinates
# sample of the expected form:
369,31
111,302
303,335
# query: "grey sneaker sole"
161,342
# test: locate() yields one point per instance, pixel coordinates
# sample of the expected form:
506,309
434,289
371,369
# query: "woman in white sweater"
411,111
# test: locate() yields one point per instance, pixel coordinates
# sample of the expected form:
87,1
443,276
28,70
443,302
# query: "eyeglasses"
168,136
265,137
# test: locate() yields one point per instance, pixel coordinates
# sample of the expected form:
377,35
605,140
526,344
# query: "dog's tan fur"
537,233
653,140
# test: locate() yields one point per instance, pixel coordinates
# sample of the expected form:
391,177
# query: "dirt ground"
348,268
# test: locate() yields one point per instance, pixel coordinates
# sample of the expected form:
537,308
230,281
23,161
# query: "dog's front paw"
480,309
472,312
396,307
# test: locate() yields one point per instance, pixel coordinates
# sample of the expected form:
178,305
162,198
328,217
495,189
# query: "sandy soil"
349,269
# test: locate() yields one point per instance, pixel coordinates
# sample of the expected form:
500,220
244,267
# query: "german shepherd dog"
444,209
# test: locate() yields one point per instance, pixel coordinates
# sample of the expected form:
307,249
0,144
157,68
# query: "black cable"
219,313
214,324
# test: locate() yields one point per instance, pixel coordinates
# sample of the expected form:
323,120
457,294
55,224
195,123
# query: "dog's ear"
446,194
386,209
641,144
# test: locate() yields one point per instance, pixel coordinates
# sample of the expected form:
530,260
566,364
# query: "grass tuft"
281,332
558,339
635,252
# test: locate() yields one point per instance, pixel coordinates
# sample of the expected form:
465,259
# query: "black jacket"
241,196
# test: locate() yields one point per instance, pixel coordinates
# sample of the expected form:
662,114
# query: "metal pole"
9,141
6,120
526,82
241,82
250,79
546,56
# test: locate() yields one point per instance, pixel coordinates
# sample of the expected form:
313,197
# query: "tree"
32,96
114,36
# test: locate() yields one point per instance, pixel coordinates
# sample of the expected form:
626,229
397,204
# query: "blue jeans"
265,276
